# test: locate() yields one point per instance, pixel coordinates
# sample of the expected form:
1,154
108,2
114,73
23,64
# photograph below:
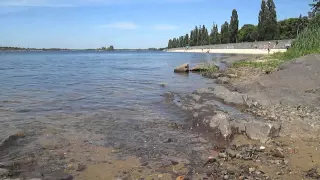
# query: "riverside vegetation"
268,28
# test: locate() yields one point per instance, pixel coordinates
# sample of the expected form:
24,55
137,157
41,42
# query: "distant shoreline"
14,49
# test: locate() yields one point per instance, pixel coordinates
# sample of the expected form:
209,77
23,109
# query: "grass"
210,68
307,42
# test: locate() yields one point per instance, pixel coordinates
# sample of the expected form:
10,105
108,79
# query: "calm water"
102,97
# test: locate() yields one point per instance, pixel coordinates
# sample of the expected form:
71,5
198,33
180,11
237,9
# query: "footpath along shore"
271,118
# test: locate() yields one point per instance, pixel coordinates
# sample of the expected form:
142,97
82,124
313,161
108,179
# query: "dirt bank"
280,110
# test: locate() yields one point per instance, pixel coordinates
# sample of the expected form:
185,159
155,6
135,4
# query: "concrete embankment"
260,47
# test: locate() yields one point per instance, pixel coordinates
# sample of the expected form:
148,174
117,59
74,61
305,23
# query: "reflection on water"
113,96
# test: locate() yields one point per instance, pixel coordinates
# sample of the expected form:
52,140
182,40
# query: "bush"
307,42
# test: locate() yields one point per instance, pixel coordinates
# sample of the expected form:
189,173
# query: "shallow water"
104,98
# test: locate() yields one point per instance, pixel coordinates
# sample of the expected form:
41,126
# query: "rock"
232,76
225,177
262,130
118,145
262,148
197,68
34,179
312,173
221,121
278,152
163,84
6,164
182,68
212,75
222,155
81,167
144,164
67,177
195,97
229,97
4,172
169,95
169,140
231,153
222,80
252,169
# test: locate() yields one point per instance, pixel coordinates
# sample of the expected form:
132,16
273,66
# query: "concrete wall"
244,45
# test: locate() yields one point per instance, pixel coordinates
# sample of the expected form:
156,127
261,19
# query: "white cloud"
164,27
122,25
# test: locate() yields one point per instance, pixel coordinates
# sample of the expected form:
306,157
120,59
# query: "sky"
122,23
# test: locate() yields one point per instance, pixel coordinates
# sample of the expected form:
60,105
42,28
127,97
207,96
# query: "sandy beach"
229,51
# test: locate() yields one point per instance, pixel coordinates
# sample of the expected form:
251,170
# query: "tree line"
268,28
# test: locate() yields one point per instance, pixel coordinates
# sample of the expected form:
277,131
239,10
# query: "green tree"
204,36
186,40
191,41
214,35
170,44
315,5
234,26
225,33
290,28
271,26
248,33
262,20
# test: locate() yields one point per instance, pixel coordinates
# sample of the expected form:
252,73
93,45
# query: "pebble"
222,155
67,177
278,152
262,148
238,156
4,172
225,177
231,153
81,167
258,172
252,169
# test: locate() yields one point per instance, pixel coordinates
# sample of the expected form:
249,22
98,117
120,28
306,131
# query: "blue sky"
122,23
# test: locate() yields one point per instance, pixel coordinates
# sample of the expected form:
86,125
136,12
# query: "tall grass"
307,42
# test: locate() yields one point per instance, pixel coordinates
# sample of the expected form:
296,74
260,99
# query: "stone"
232,76
67,177
222,155
169,95
229,97
197,68
278,152
4,172
252,169
221,121
81,167
231,153
182,68
225,177
118,145
262,130
222,80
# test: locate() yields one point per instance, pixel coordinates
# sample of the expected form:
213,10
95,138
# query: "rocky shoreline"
276,114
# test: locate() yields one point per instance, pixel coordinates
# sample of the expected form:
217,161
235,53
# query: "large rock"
229,97
262,130
222,80
221,121
182,68
198,67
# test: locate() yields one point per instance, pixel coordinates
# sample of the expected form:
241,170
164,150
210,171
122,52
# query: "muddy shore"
251,125
273,126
